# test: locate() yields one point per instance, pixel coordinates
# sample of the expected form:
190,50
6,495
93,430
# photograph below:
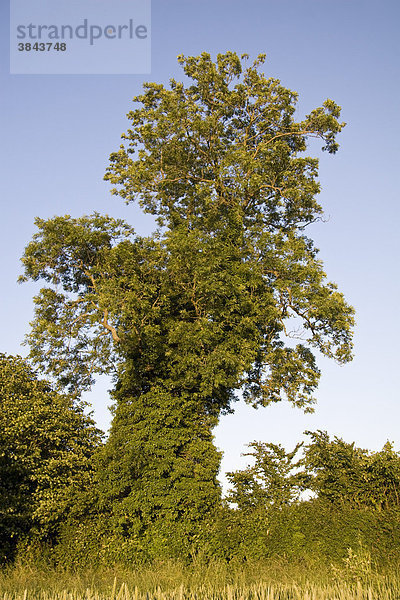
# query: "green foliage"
353,516
312,531
80,260
337,468
46,445
336,472
383,478
225,148
189,317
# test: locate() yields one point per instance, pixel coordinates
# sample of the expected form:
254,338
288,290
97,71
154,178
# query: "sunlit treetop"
227,146
228,295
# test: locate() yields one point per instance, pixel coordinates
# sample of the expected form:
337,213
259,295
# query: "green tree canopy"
222,165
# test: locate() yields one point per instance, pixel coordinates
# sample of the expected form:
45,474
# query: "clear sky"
57,132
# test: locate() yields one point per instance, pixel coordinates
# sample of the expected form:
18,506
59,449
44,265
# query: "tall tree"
209,305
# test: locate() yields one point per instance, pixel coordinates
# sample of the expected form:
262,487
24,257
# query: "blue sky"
57,132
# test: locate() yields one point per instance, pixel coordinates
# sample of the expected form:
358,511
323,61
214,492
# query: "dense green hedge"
309,532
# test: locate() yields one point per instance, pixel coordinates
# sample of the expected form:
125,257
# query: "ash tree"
208,306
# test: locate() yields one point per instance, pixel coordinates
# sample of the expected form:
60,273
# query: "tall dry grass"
218,581
261,591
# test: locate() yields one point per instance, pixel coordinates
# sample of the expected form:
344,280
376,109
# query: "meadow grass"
216,581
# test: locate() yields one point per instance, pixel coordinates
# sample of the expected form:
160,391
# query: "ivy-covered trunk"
158,470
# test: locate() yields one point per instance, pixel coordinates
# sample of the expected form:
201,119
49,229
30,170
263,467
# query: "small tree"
342,473
46,445
274,480
337,467
383,478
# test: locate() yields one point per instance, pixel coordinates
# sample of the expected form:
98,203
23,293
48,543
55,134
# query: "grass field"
262,591
172,581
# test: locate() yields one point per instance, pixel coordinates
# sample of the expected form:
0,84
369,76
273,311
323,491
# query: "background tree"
46,445
274,480
337,467
341,473
203,309
383,478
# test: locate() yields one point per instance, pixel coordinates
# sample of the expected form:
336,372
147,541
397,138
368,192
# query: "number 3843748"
42,47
